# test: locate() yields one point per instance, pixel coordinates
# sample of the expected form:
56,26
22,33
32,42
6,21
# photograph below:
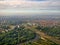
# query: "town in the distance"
30,30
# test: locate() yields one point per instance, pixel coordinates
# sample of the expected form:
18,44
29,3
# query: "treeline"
52,31
16,36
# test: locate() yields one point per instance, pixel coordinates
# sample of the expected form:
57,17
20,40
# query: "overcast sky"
30,6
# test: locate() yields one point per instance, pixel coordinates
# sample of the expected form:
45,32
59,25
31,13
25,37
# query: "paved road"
32,40
47,37
44,36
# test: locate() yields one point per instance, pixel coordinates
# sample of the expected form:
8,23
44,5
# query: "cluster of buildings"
2,30
49,23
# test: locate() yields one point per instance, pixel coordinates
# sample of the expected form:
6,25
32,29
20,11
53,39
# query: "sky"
29,6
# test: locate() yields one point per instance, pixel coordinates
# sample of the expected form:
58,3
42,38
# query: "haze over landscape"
29,22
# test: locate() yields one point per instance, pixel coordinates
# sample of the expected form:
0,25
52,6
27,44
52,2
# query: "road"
44,36
32,40
47,37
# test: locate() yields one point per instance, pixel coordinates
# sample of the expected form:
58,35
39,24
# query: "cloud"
1,0
30,4
30,7
37,0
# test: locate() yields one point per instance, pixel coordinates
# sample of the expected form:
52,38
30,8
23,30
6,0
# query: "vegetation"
40,42
52,31
16,36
